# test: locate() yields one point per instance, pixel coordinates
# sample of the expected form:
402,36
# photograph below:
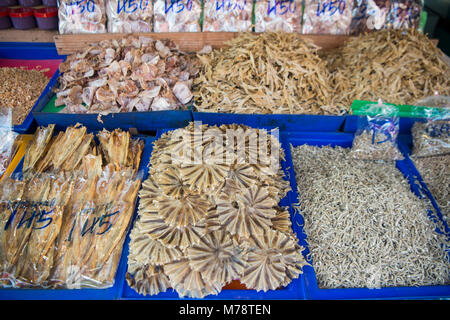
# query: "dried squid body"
227,15
369,15
85,16
177,15
276,15
129,16
327,16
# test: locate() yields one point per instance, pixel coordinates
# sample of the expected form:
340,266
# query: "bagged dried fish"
8,145
275,15
128,16
131,74
327,17
208,214
398,66
369,15
227,15
85,16
365,228
376,135
431,138
177,15
264,73
404,14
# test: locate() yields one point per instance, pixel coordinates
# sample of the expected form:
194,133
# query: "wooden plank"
33,35
187,41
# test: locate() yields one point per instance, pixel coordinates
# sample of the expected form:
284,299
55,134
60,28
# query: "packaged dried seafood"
20,90
8,137
431,138
128,16
208,214
85,16
276,15
404,14
131,74
327,17
63,226
365,228
369,15
177,15
376,134
265,73
398,66
227,15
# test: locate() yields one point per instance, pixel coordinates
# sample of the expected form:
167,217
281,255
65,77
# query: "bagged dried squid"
275,15
128,16
177,15
85,16
208,214
227,15
327,17
369,15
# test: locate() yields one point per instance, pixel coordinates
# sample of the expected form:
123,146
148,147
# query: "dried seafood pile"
63,225
274,15
266,73
126,75
364,226
399,66
202,223
227,16
435,172
20,90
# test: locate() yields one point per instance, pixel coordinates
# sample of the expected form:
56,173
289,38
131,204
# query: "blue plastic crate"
295,290
84,294
30,51
285,122
312,291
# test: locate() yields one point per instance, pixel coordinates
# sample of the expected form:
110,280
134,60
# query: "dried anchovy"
367,147
364,226
265,73
435,173
399,66
20,90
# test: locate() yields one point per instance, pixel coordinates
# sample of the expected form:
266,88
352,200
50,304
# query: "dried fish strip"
264,73
217,257
364,226
282,221
146,279
37,146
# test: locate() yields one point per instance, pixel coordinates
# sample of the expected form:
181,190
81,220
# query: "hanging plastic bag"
376,134
278,15
129,16
369,15
8,146
404,14
227,15
177,15
83,16
327,16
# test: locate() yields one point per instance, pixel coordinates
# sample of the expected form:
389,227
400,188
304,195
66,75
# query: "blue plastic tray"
294,290
30,51
285,122
84,294
312,291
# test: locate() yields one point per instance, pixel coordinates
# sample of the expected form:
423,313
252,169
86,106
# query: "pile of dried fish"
436,175
265,73
126,75
20,90
63,225
209,214
399,66
364,226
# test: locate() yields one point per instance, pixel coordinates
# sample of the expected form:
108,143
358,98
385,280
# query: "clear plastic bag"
177,15
376,134
278,15
129,16
327,16
404,14
369,15
227,15
82,16
7,139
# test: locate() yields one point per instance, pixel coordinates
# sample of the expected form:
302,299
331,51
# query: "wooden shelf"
187,41
31,35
